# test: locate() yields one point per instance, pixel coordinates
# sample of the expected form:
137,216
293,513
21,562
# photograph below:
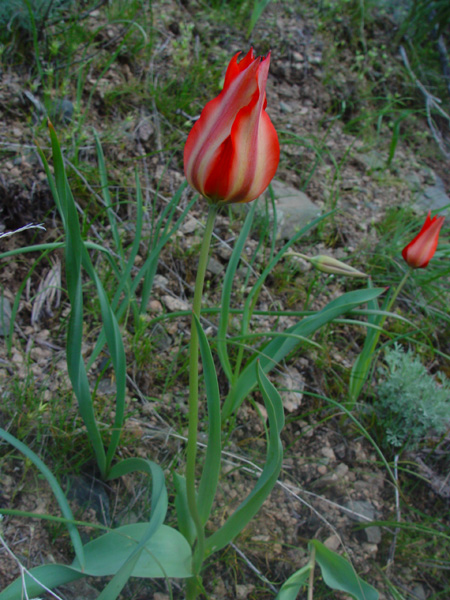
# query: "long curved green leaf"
50,576
56,489
74,249
227,287
166,554
211,468
250,506
278,348
292,586
186,524
361,366
339,574
159,501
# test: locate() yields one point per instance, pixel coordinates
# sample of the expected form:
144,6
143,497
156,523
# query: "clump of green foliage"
410,401
19,14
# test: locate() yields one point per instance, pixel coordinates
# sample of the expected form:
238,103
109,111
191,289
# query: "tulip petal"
216,120
421,249
232,152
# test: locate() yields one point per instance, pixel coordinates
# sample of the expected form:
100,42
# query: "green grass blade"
258,9
211,469
107,196
144,275
56,489
252,298
233,263
250,506
160,240
278,348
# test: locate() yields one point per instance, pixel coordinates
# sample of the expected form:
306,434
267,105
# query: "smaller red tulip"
420,251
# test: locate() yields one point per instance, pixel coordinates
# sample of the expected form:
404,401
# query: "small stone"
161,282
224,251
419,592
294,209
160,338
342,470
214,266
328,453
145,130
285,107
332,542
373,534
243,591
189,226
363,508
322,469
360,511
174,304
155,306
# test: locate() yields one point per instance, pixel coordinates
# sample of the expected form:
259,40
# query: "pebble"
155,306
328,453
284,107
175,304
332,542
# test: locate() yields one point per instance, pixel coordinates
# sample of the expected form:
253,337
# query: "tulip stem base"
194,404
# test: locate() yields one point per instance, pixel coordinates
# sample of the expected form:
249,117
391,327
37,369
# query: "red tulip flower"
232,152
420,251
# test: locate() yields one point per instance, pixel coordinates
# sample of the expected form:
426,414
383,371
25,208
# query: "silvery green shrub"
411,403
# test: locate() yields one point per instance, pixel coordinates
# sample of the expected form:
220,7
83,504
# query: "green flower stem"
389,307
396,293
193,401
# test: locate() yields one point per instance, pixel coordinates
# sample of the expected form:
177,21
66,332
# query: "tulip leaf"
361,366
165,554
250,506
186,524
279,347
56,489
50,576
159,491
226,293
292,586
211,469
339,574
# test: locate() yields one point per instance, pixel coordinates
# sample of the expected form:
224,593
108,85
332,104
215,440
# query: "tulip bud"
232,152
421,249
327,264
